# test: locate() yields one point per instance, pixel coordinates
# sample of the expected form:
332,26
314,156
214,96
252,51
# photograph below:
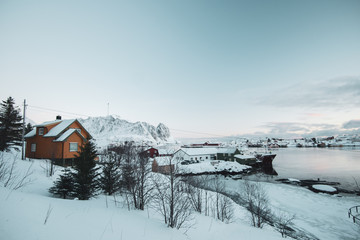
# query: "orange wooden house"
59,140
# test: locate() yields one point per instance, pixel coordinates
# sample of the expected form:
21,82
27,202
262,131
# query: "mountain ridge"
114,130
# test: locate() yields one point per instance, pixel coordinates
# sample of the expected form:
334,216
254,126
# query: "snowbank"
324,188
212,167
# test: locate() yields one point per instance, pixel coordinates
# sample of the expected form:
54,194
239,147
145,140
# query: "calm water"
331,164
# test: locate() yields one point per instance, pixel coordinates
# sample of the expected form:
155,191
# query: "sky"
204,68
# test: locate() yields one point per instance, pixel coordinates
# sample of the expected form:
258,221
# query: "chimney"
58,117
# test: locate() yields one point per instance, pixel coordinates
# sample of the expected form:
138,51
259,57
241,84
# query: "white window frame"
33,147
71,149
41,131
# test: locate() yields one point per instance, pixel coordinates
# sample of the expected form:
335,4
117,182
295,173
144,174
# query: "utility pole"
23,133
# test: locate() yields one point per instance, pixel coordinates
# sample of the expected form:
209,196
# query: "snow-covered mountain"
114,130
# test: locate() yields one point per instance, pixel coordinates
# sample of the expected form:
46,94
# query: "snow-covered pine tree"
111,175
64,185
86,181
10,125
28,128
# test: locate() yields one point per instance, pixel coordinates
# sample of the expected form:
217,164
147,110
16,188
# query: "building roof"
226,150
67,134
30,134
44,124
55,131
207,151
199,151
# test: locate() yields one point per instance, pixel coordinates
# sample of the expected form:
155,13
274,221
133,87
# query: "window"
41,131
33,147
73,147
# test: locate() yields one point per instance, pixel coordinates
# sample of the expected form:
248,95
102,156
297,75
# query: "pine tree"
28,128
111,175
64,186
86,177
10,125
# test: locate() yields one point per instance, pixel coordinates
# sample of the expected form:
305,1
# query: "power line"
78,114
210,134
58,111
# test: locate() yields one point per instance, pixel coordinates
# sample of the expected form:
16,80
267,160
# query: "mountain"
114,130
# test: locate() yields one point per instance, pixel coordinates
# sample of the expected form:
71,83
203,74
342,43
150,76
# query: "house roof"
207,151
48,123
199,151
55,131
67,134
59,130
30,134
226,150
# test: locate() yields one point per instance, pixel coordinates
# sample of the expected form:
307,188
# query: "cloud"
335,93
352,124
298,129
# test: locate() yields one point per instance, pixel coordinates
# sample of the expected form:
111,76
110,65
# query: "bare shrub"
49,167
135,176
283,221
11,177
171,200
257,203
222,206
48,213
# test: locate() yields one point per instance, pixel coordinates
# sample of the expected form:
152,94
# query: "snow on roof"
207,151
212,167
47,123
240,156
59,128
226,150
30,134
167,151
65,135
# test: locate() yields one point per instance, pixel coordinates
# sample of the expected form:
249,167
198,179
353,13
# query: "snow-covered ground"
23,215
324,216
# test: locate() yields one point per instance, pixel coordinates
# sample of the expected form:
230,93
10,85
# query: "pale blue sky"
217,67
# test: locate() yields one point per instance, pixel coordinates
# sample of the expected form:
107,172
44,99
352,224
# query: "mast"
23,133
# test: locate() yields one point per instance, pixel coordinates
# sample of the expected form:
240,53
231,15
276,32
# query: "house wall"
152,152
73,138
76,124
45,148
228,156
181,156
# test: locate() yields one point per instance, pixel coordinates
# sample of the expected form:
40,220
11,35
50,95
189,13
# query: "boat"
258,160
266,160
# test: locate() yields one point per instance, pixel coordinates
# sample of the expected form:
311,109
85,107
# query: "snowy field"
322,215
32,213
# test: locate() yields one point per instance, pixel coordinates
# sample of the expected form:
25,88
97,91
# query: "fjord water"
330,164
